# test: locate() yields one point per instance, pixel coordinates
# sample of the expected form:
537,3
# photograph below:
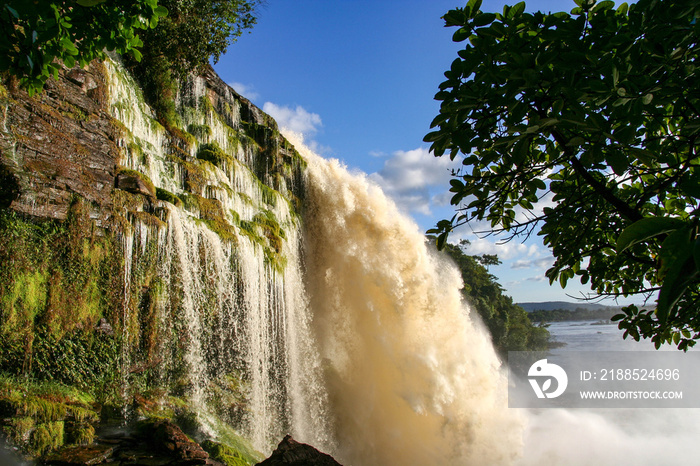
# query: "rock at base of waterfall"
292,453
169,438
80,455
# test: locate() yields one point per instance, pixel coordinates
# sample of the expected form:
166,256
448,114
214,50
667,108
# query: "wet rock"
292,453
134,184
104,327
169,438
58,144
80,456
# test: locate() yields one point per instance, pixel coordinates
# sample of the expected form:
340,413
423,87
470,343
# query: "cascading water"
334,321
411,378
228,315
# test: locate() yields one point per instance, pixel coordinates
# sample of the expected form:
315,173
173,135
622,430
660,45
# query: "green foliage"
201,132
42,416
212,152
508,323
560,315
193,32
45,261
596,112
37,35
230,448
196,30
45,438
265,231
224,454
58,279
167,196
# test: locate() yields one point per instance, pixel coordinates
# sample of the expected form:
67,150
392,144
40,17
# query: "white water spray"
411,378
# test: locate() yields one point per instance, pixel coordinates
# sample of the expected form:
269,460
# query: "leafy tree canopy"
197,30
35,33
596,112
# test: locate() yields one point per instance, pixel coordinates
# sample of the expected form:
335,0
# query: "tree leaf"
482,19
90,3
12,11
645,229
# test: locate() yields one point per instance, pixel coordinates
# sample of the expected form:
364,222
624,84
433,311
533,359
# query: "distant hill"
552,305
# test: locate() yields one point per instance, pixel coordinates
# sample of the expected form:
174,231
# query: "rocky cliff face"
181,237
60,144
70,139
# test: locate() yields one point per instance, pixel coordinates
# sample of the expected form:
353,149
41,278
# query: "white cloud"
415,179
538,278
523,255
295,119
540,263
505,251
248,92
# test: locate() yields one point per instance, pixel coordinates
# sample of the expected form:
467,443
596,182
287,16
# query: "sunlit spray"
411,379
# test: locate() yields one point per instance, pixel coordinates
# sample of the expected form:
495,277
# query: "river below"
601,437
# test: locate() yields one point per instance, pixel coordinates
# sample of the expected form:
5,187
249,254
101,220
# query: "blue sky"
357,78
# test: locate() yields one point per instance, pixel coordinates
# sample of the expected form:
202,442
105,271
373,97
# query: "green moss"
201,132
184,139
41,416
82,435
236,217
18,430
73,112
55,276
264,230
195,175
211,213
136,151
167,196
230,448
24,300
225,454
271,229
245,198
45,438
269,195
212,153
42,410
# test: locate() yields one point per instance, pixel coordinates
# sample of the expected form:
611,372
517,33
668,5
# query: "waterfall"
215,283
411,377
329,319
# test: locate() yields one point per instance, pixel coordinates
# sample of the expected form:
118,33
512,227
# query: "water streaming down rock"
343,329
220,273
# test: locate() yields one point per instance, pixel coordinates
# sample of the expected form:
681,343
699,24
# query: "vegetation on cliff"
78,310
559,315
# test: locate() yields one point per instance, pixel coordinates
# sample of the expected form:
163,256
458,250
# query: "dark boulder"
292,453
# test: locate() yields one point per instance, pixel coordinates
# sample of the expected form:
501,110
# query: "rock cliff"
180,236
